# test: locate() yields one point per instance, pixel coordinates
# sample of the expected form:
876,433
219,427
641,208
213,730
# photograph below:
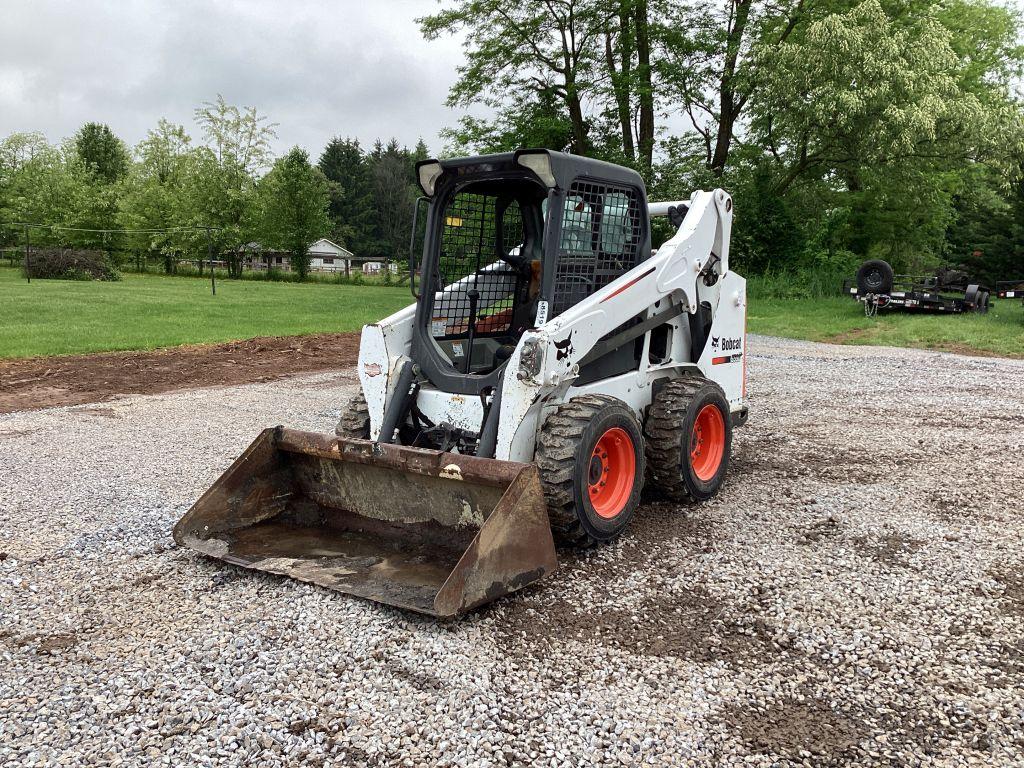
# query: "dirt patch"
798,731
45,382
825,528
421,681
849,337
891,549
44,644
1012,583
963,349
688,624
793,460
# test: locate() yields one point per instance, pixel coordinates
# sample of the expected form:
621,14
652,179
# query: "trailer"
948,291
1010,289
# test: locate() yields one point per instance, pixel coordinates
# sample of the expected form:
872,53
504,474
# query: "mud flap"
433,532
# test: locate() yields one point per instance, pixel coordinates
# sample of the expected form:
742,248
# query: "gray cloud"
317,68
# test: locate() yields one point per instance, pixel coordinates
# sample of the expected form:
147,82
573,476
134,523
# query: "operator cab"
511,241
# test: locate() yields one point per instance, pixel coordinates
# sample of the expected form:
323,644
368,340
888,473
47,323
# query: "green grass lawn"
841,320
57,317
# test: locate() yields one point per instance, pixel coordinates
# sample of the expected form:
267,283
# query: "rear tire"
355,419
875,276
983,303
590,454
689,438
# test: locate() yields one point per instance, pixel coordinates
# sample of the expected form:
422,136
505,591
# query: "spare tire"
874,276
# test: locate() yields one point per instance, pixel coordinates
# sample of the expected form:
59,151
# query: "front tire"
355,419
689,439
590,454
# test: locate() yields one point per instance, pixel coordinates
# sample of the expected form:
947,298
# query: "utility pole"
209,254
28,275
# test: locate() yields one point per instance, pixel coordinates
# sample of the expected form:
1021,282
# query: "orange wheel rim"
707,442
611,473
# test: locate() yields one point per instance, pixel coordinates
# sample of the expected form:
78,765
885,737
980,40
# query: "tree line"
845,129
219,196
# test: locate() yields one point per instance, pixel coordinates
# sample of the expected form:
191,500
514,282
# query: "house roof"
324,241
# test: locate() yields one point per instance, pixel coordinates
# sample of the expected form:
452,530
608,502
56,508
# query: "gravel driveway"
854,596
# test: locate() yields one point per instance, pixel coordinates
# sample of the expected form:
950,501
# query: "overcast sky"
319,68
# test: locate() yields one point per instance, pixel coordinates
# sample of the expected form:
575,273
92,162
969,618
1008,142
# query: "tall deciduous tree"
154,195
533,46
294,198
101,152
221,187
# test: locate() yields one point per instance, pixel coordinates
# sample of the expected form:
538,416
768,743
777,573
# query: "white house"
328,256
324,256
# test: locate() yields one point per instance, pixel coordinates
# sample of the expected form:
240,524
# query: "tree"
240,136
153,195
533,46
351,209
880,111
294,198
220,192
101,152
394,193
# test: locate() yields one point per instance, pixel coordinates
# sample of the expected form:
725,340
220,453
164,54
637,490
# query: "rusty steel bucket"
433,532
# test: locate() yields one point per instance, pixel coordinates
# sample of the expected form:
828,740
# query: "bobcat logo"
564,349
714,342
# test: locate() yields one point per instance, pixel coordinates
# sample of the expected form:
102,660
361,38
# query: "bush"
819,276
67,264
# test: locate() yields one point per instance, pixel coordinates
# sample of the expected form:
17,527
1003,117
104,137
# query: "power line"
61,227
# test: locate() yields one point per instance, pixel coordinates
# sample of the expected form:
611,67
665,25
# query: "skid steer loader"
550,366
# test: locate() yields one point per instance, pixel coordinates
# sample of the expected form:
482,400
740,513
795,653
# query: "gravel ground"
854,596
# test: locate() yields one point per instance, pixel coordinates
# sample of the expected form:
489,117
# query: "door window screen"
476,232
601,237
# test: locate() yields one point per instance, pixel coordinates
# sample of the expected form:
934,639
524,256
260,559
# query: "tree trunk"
620,78
644,88
579,128
729,109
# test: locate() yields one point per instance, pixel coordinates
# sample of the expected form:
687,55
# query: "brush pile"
70,264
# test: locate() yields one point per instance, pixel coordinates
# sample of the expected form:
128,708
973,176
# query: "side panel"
380,347
724,357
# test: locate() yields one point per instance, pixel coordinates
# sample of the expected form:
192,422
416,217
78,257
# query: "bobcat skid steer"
550,366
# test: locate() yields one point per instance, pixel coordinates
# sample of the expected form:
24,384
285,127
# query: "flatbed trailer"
1010,289
921,294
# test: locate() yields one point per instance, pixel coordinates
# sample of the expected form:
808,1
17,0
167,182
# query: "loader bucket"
428,531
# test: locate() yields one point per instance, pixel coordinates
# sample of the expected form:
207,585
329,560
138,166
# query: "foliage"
101,152
293,201
351,206
845,129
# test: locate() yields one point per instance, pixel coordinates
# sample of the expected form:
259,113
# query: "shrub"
67,264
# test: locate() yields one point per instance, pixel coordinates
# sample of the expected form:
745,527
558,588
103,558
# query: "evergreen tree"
347,170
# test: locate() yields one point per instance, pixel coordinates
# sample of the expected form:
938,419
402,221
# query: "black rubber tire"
355,419
875,276
983,303
668,432
564,449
